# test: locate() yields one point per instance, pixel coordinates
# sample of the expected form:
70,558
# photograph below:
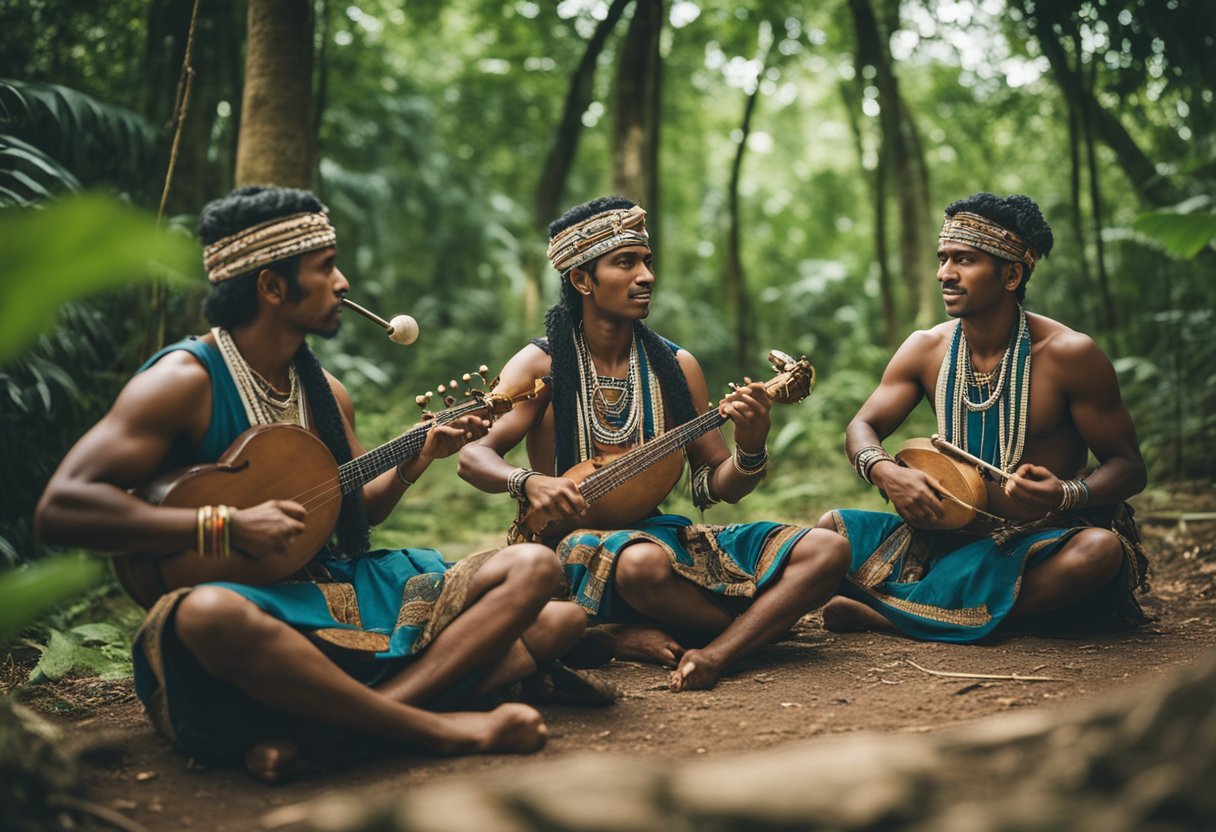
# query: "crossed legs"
645,580
274,663
1087,562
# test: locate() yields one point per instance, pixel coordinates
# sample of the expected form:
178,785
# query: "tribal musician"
362,640
1027,395
696,597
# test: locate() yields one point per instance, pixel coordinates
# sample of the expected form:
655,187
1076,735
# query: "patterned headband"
265,243
587,240
982,233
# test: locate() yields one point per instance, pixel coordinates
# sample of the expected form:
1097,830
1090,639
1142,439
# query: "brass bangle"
749,465
201,529
401,476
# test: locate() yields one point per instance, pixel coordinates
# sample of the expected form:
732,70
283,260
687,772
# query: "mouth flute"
402,329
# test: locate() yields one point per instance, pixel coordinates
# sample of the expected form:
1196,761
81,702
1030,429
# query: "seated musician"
726,591
1027,395
360,641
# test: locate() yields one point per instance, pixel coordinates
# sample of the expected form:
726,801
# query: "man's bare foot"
697,671
269,762
512,728
637,643
844,615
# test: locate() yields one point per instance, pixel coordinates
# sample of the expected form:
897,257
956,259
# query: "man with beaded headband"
226,669
1026,394
667,583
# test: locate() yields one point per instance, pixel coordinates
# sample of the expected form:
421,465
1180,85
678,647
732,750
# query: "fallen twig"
1014,677
100,813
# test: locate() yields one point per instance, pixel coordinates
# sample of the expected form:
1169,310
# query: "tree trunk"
552,184
1095,206
878,191
1153,188
900,141
736,279
1074,191
277,144
635,173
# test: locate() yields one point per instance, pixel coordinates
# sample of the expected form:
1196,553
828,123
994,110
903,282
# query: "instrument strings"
372,463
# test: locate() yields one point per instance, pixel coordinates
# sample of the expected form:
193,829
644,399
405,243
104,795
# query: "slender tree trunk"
636,108
1095,200
1074,190
1153,188
552,184
736,278
277,144
899,138
878,193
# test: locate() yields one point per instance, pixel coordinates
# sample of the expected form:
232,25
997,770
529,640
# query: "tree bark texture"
908,169
635,135
277,144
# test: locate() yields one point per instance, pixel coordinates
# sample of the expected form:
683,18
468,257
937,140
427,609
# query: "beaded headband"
265,243
587,240
982,233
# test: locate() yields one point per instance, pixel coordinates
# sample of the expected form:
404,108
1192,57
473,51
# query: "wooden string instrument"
283,462
624,487
960,475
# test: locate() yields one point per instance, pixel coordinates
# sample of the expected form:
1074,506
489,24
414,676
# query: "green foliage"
53,138
34,588
1181,234
100,244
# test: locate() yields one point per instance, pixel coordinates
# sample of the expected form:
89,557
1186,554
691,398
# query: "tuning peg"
448,401
484,372
442,389
423,400
467,378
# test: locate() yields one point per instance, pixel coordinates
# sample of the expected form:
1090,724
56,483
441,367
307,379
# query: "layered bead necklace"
963,393
610,411
264,405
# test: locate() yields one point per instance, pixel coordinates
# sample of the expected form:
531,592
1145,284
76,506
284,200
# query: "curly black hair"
234,302
560,322
1016,212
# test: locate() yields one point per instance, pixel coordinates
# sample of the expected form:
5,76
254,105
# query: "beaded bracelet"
515,483
1075,494
750,465
867,458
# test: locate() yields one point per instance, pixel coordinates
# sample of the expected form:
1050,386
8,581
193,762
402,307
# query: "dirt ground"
814,684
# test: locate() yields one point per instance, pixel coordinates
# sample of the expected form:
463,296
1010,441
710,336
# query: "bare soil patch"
813,684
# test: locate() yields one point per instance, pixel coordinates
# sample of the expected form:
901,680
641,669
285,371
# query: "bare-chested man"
615,383
226,669
1026,394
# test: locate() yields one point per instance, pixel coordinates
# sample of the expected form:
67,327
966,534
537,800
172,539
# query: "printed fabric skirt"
732,562
370,614
954,586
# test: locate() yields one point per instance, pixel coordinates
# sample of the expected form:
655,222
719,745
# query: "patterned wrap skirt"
731,562
370,614
959,586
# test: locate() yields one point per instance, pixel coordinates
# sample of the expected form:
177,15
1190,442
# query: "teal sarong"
731,562
951,586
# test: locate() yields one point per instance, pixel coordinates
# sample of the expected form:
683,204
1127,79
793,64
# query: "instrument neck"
363,469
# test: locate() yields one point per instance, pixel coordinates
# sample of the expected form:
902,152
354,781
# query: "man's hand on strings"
554,498
444,440
267,529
